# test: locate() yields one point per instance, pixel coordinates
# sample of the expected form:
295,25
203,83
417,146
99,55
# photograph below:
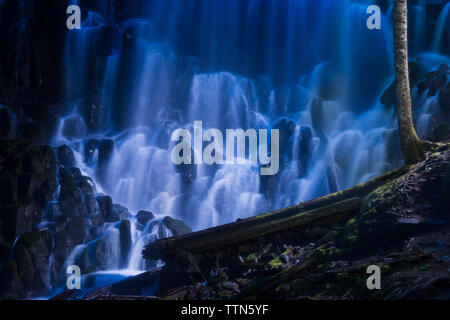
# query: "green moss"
275,263
252,257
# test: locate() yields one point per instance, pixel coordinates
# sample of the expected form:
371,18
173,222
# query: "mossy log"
318,212
241,232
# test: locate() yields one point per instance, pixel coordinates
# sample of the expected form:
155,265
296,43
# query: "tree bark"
412,146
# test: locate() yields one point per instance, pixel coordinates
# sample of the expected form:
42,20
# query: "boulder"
305,149
86,185
144,216
125,242
105,151
177,227
105,207
72,205
118,213
437,84
66,180
106,253
93,109
91,204
66,156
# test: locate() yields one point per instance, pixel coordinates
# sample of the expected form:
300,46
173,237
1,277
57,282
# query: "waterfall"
310,69
441,25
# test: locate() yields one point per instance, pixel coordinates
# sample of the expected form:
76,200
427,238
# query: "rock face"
40,231
66,156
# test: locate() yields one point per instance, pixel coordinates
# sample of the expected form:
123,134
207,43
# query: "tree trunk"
412,147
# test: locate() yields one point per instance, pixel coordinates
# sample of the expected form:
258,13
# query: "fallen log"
238,233
318,212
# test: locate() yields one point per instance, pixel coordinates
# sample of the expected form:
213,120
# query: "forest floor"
401,226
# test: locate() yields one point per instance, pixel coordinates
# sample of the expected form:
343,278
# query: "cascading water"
308,68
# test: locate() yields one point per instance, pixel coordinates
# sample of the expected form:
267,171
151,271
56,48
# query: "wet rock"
118,213
90,147
78,230
286,129
305,148
284,258
42,196
437,84
72,205
76,173
115,214
416,73
177,227
144,216
64,245
125,242
66,180
105,206
51,211
106,253
105,151
74,127
93,109
434,80
91,204
87,186
66,156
